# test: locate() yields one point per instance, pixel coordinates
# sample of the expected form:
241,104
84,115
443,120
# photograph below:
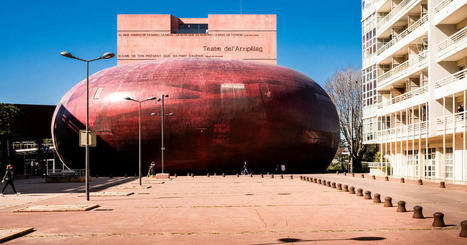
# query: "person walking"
8,179
245,169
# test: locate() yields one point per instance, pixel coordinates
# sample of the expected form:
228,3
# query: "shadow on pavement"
293,240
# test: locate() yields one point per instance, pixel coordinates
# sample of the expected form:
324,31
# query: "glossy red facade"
226,112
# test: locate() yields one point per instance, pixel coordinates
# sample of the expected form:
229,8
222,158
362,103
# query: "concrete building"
150,37
414,86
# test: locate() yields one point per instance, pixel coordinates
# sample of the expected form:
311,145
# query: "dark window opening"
192,28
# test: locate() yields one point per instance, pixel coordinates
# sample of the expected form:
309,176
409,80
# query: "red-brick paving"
217,210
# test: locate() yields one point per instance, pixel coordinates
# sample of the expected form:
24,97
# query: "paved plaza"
232,210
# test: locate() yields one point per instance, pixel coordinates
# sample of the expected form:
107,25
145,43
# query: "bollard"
301,177
339,187
367,195
207,174
359,192
329,183
352,190
402,180
272,176
346,188
353,175
187,174
175,175
420,182
307,178
262,175
463,232
438,220
238,175
282,176
223,175
337,172
324,182
319,181
315,180
345,174
291,176
376,198
363,176
401,206
374,177
388,202
333,184
251,175
192,175
442,184
417,212
386,178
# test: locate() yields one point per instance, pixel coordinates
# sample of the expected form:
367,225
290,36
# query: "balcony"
451,78
385,21
402,69
406,132
447,123
404,97
450,12
449,48
403,34
451,84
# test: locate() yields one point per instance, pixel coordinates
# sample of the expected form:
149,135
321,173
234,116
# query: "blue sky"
314,37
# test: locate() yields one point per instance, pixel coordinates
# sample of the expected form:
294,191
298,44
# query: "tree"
8,116
345,90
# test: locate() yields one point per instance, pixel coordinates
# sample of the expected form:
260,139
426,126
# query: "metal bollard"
352,190
324,182
262,175
282,176
238,175
251,175
207,174
353,175
402,180
345,174
319,181
367,195
339,187
376,198
359,192
223,175
337,172
315,180
463,232
346,188
187,174
329,183
388,202
333,185
417,212
291,176
374,177
442,184
438,220
420,182
272,176
192,175
386,178
363,176
175,175
401,206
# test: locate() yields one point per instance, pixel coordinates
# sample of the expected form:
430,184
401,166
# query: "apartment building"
414,55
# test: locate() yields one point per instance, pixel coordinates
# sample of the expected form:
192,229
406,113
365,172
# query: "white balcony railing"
404,96
393,13
411,62
403,34
459,37
449,122
410,131
451,78
441,5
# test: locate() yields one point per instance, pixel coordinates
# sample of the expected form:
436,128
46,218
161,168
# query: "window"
430,158
449,163
192,28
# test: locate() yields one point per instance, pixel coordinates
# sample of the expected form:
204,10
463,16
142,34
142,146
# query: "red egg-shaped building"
225,112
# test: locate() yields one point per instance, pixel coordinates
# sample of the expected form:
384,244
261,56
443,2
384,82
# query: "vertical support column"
463,143
444,134
453,137
426,138
419,144
380,122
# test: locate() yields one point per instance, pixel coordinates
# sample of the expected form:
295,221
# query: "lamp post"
106,55
139,132
162,114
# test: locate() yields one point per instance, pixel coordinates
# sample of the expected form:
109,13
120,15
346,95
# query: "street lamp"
139,133
106,55
162,114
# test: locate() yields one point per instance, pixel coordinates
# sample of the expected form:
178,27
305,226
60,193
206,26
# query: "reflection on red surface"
226,112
